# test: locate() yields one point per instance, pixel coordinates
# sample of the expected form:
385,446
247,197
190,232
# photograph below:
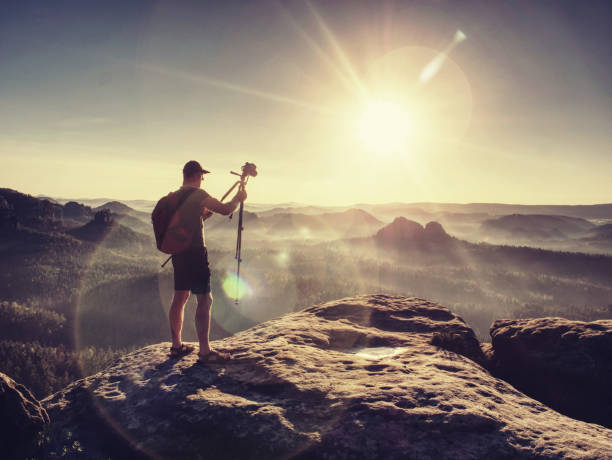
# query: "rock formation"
400,229
106,230
358,378
565,364
104,217
403,233
22,418
435,232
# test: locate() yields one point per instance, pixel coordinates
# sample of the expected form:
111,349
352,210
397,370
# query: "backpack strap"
176,209
184,198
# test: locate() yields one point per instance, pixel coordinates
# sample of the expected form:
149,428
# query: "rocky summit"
371,377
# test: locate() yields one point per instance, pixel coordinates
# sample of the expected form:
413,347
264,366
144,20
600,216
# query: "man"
191,271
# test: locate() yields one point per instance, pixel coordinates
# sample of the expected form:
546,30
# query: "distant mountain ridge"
103,224
399,236
390,210
145,206
349,223
601,232
537,226
406,239
593,211
355,216
18,209
557,227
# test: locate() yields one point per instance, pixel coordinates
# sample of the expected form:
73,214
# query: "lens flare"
282,258
304,232
236,287
434,66
459,36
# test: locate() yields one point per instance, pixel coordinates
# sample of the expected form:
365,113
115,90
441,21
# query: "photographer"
191,270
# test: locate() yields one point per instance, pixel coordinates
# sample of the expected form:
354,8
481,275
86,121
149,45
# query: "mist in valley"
84,284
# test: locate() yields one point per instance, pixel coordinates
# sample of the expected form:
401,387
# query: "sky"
336,103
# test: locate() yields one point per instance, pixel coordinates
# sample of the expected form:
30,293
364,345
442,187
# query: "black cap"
193,167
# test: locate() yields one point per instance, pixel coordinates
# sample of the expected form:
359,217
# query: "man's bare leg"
202,321
175,316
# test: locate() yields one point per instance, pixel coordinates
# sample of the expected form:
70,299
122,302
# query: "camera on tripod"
248,170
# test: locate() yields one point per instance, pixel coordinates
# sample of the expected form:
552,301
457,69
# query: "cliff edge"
354,378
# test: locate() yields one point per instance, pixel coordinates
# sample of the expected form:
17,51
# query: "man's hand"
241,195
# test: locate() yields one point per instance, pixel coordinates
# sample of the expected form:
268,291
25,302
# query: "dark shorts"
191,271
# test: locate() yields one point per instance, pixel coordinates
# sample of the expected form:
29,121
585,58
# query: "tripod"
244,178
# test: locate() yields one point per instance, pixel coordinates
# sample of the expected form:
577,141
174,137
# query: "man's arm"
214,205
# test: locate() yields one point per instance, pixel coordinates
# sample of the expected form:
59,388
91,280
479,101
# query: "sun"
384,127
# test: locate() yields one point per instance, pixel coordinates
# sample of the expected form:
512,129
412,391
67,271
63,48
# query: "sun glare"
236,288
384,127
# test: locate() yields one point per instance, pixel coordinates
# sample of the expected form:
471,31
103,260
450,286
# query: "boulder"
22,418
565,364
357,378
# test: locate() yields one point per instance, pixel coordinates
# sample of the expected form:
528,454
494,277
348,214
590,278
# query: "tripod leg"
229,191
238,250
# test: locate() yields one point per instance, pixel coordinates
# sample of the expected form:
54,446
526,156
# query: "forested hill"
51,257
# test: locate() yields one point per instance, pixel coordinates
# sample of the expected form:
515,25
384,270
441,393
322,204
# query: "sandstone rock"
357,378
22,417
565,364
406,234
400,229
435,232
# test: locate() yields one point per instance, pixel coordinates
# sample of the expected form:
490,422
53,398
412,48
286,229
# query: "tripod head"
249,169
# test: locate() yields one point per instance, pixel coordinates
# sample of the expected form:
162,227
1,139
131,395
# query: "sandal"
178,352
214,356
